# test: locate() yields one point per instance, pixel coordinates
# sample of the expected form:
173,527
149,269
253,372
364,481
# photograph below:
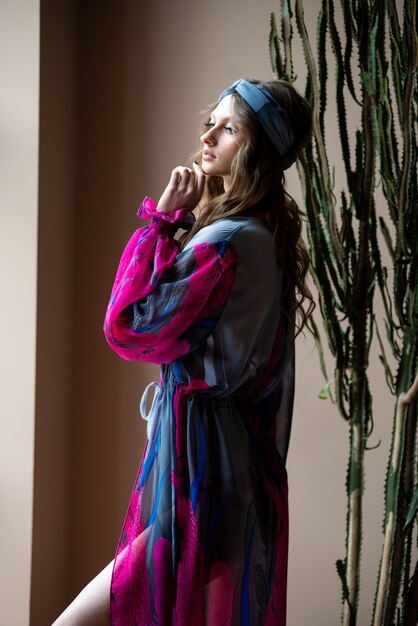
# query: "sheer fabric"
205,537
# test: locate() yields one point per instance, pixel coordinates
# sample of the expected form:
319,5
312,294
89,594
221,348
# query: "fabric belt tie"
149,417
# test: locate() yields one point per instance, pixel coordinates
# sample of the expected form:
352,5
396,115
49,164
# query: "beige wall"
121,85
19,79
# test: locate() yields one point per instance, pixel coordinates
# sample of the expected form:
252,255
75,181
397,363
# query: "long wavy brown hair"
257,186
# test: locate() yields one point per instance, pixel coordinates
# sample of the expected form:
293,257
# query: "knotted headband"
272,117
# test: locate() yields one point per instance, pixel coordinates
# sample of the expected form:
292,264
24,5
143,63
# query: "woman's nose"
208,137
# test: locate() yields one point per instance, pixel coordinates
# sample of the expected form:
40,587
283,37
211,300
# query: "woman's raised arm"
164,302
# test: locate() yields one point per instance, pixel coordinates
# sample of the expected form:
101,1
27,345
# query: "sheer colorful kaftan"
205,536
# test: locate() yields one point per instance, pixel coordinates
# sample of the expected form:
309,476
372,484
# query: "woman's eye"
228,129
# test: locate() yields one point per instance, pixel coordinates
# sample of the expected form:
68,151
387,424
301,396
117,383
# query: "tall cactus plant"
376,60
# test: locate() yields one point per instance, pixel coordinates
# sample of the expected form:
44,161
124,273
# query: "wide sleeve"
164,301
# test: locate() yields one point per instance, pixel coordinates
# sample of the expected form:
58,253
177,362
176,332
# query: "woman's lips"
207,156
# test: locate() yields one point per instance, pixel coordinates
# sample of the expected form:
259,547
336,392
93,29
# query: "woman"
205,536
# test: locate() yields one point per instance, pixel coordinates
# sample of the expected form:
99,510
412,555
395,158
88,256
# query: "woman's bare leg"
91,606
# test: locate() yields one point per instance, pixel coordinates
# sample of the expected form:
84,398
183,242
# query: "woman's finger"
183,176
174,178
200,178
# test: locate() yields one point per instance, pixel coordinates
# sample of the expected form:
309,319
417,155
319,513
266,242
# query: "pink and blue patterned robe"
205,536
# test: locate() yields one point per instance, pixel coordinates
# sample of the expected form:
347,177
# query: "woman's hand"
184,189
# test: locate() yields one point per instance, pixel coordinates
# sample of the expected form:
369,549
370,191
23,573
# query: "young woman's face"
221,141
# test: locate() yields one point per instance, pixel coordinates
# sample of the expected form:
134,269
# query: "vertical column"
51,557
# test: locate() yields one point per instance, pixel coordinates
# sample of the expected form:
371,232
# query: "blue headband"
272,117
